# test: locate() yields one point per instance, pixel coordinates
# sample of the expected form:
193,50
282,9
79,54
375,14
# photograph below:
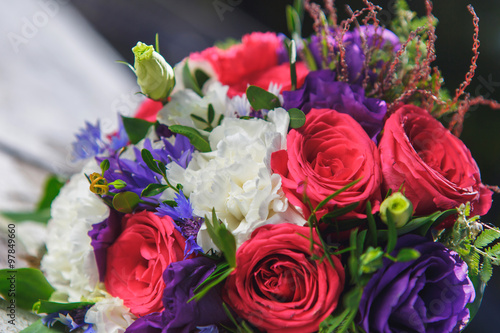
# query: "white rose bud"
399,207
154,75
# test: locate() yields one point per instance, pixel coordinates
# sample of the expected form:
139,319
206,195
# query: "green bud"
399,207
154,75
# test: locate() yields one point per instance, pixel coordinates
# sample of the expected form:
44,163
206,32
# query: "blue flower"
73,319
188,224
88,142
120,139
183,210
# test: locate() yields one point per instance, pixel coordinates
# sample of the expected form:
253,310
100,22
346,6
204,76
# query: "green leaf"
392,236
125,202
479,287
153,189
486,237
39,327
198,118
494,250
25,286
136,128
407,254
196,139
43,306
147,157
293,21
292,55
473,263
228,243
372,226
189,80
333,321
222,238
339,212
42,216
211,113
486,270
343,225
333,195
221,277
201,77
157,43
309,58
53,185
262,99
360,242
297,118
104,166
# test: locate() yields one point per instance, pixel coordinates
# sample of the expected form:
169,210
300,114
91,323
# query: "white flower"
236,179
185,104
109,315
70,264
194,65
239,106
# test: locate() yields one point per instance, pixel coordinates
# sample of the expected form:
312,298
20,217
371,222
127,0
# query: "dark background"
193,25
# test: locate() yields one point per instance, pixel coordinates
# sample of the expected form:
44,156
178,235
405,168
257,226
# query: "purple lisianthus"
102,236
181,279
134,171
321,91
375,38
429,294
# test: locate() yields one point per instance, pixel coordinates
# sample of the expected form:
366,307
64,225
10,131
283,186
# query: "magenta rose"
435,168
147,245
277,286
330,151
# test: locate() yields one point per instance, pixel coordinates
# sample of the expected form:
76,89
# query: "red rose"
137,259
435,168
277,286
330,151
148,110
253,62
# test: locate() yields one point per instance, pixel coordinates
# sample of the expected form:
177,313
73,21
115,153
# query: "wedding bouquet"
280,184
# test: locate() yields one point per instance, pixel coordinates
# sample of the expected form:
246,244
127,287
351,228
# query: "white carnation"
70,264
236,179
110,316
185,104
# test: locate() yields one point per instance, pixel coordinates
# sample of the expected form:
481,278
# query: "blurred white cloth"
56,73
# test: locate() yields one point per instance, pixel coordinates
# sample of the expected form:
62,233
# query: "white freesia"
185,104
70,264
235,178
109,315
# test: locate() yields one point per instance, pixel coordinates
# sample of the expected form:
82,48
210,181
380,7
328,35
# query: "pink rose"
435,168
137,259
277,287
148,110
330,151
253,62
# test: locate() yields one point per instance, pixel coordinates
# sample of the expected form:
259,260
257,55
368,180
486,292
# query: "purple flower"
429,294
321,91
102,236
374,37
136,174
181,279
